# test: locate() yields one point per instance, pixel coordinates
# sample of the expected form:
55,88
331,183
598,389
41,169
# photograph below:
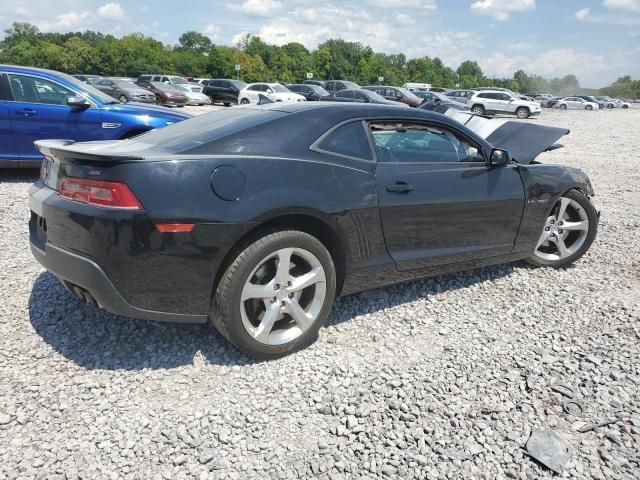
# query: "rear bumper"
87,281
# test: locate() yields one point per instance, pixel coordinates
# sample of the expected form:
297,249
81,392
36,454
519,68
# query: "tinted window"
255,88
215,83
293,88
484,95
361,97
345,94
408,143
36,90
390,92
349,139
194,135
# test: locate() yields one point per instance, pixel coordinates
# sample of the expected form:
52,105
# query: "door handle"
400,187
27,112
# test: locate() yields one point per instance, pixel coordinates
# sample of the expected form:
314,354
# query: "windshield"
125,84
409,94
89,90
178,81
279,88
374,96
319,90
351,84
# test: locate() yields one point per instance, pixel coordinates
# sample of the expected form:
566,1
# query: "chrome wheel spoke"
543,238
581,225
284,265
303,281
564,202
562,248
302,318
262,331
251,290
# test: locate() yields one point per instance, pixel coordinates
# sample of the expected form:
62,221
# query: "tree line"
196,56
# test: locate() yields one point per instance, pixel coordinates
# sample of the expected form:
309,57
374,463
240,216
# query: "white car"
499,101
195,97
620,103
576,103
273,91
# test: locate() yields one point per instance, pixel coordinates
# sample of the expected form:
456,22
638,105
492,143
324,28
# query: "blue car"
38,104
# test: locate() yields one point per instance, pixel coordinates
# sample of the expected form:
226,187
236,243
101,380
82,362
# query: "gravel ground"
440,378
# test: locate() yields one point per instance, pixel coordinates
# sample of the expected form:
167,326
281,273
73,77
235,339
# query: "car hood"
144,109
523,140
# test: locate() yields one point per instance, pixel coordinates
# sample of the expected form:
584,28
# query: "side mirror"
78,102
499,157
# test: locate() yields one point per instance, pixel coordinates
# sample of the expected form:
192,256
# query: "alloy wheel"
123,99
564,232
283,296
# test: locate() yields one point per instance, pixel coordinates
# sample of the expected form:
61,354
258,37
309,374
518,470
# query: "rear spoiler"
64,149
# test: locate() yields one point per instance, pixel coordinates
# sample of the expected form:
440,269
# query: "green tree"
194,42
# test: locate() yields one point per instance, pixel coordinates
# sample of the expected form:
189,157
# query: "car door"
572,102
439,201
39,110
8,152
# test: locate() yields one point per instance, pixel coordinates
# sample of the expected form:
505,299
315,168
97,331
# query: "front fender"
543,186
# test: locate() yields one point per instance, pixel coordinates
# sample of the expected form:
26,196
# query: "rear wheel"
276,294
588,107
522,112
244,101
625,106
478,109
158,100
123,98
563,107
227,104
568,231
609,105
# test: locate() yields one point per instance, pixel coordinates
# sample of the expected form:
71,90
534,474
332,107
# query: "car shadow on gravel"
18,175
95,339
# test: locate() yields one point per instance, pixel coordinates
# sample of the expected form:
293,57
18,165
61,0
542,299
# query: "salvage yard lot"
439,378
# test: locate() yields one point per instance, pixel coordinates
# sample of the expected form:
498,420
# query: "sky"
597,40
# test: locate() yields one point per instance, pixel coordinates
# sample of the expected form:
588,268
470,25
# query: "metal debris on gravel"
460,364
548,448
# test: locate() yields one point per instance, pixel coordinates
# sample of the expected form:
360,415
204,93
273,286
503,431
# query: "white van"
417,86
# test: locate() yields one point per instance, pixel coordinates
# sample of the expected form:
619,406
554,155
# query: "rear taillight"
99,192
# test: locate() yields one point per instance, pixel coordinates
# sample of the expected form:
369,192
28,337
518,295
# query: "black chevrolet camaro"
256,218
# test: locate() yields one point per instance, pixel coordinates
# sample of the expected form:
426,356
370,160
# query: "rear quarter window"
349,140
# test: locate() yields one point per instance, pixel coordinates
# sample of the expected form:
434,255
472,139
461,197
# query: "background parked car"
224,90
312,93
546,100
576,103
436,99
194,97
165,94
273,91
333,86
170,79
37,104
460,96
620,103
396,94
90,79
500,101
359,95
124,91
591,99
319,83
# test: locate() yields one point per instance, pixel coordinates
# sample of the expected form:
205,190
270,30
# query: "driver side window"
416,143
36,90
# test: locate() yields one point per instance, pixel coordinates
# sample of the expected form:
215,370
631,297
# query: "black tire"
592,215
563,107
588,107
244,101
625,106
227,104
478,109
225,309
123,99
609,106
158,100
523,112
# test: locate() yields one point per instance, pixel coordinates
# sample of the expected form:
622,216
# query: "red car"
396,94
165,93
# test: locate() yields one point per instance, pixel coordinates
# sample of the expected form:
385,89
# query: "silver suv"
491,102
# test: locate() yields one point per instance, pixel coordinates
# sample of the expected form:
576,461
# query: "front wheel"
123,99
478,109
522,112
563,107
588,107
568,231
227,104
276,294
244,101
625,106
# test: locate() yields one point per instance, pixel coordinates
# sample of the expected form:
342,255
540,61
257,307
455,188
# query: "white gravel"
441,378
